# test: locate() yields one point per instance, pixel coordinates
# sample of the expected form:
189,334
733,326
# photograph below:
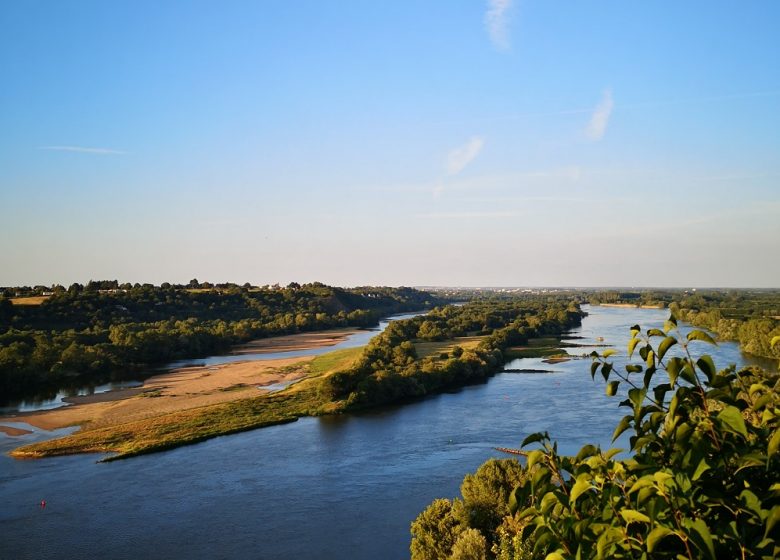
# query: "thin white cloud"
460,157
460,215
496,23
597,126
84,150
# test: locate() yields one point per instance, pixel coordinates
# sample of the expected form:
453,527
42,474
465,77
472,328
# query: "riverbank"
173,415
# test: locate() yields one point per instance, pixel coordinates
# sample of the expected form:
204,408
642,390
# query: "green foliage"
87,334
472,521
390,370
701,480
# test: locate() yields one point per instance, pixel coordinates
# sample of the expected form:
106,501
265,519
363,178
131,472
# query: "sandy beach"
183,388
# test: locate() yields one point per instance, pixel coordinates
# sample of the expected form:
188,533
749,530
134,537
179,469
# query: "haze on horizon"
498,143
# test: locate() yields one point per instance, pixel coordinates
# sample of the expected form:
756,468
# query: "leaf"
632,345
533,438
656,535
732,420
707,366
703,532
673,370
554,556
703,466
594,367
608,352
656,332
772,519
775,340
623,425
612,452
633,516
587,451
701,335
533,457
635,330
670,323
612,388
774,444
666,343
582,485
633,368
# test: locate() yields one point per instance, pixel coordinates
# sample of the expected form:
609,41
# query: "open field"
425,349
29,300
536,348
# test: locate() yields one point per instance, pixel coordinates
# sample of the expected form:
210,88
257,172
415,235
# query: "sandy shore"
10,431
292,342
173,391
184,388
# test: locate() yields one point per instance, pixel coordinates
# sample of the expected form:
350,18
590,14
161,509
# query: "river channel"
331,487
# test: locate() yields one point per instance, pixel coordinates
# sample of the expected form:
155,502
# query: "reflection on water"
331,487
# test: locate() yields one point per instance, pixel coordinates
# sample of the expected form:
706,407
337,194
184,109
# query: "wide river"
332,487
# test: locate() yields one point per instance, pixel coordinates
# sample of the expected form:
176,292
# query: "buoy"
43,504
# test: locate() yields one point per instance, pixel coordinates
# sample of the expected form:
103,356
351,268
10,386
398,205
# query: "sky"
450,143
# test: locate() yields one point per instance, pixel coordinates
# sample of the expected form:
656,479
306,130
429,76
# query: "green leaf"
666,343
707,366
650,361
608,352
533,457
703,466
703,532
612,388
554,556
701,335
594,367
656,535
774,444
635,330
634,368
670,323
633,516
673,369
533,438
775,340
632,345
772,519
623,425
612,452
732,420
587,451
582,485
656,332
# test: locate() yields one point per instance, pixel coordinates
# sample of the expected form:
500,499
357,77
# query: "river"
332,487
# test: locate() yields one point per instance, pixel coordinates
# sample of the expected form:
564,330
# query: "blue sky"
419,143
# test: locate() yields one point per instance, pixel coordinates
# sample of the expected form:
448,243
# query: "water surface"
333,487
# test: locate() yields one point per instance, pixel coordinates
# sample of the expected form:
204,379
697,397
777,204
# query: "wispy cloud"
599,120
84,150
462,215
497,21
460,157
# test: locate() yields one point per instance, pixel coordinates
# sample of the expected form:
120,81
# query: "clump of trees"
701,481
389,369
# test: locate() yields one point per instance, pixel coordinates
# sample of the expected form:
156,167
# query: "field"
425,349
29,300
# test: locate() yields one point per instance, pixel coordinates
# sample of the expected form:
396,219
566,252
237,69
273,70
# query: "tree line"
88,336
389,369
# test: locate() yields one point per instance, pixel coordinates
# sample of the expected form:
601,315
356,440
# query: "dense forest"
390,369
89,334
